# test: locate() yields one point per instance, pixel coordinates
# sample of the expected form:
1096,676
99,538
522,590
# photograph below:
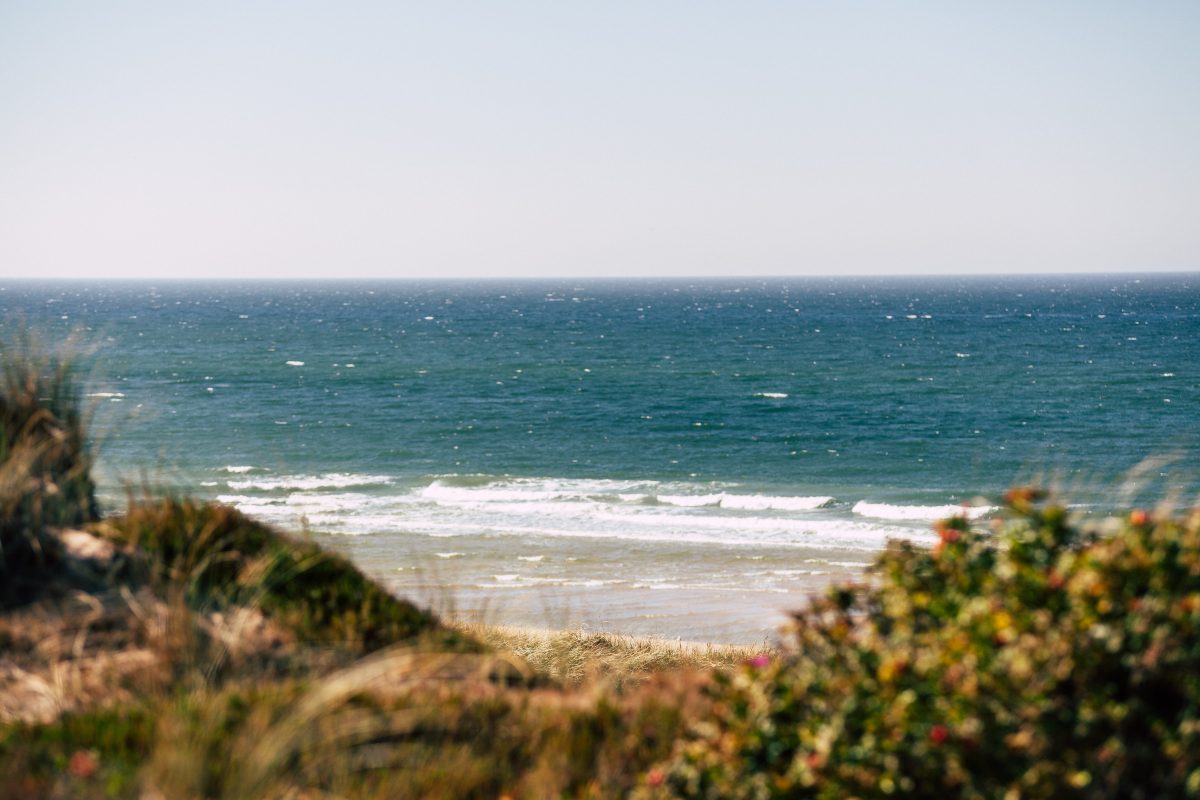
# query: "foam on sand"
918,513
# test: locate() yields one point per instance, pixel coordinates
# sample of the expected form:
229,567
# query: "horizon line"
601,278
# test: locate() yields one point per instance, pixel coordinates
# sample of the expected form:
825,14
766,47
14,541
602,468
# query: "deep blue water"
771,412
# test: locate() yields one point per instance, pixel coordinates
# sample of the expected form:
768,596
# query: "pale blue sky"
441,139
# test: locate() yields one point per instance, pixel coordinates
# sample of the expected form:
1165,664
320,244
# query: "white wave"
772,528
690,500
745,502
772,395
758,502
440,493
333,480
561,509
453,490
248,501
295,363
918,513
237,469
345,501
533,559
113,395
705,530
449,555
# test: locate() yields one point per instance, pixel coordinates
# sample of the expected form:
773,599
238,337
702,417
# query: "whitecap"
473,489
333,480
758,502
772,395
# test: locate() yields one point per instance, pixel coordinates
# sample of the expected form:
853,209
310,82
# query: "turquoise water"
658,457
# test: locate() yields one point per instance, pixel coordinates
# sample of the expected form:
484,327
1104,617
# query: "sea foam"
918,513
333,480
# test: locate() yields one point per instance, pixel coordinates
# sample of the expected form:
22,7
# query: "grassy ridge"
183,650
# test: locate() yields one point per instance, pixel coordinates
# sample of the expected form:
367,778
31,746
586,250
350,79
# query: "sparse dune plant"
1045,657
216,557
45,463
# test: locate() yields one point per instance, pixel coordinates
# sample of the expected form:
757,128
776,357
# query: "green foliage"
1036,660
99,753
219,557
44,466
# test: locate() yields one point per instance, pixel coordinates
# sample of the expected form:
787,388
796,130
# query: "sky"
596,139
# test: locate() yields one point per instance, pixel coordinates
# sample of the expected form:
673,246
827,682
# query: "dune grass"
45,465
575,657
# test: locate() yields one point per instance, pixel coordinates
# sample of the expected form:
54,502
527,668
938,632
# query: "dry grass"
575,657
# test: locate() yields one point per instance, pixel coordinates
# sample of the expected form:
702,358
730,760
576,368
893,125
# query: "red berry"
938,734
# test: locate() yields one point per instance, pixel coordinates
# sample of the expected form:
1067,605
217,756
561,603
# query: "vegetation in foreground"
183,650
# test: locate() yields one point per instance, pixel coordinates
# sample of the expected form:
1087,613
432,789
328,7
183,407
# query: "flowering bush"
1044,657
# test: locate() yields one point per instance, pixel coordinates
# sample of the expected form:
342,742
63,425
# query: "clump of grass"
45,465
217,557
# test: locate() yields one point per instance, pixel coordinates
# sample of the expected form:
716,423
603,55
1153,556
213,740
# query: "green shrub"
1044,658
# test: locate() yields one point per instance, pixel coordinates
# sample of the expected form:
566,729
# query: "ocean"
677,458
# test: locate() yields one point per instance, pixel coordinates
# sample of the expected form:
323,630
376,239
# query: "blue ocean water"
659,441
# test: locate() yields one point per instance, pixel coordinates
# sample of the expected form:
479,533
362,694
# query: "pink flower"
759,661
655,777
